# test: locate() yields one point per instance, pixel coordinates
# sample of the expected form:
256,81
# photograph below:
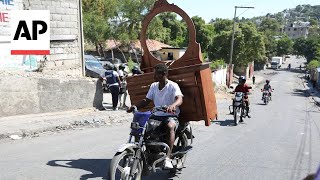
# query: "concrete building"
296,30
65,32
169,54
59,85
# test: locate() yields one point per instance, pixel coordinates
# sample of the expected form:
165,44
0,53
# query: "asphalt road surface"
280,141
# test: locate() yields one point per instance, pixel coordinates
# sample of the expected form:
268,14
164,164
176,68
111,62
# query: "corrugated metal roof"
153,45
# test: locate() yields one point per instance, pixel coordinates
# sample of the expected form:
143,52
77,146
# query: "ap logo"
30,32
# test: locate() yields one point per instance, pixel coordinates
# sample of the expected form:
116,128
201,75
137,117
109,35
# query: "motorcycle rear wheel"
118,172
182,142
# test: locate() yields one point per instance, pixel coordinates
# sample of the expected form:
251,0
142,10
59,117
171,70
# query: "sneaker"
115,109
248,116
168,164
241,120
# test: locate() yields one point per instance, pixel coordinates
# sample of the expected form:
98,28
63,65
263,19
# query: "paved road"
280,141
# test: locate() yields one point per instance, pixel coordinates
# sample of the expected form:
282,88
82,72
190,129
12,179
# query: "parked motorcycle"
146,149
238,107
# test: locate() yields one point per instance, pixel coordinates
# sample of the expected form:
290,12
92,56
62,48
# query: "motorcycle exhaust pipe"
162,158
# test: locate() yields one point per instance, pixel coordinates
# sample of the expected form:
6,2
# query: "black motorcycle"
266,96
146,150
238,108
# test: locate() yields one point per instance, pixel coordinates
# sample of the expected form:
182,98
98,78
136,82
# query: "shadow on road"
300,92
161,175
227,122
97,167
261,104
292,70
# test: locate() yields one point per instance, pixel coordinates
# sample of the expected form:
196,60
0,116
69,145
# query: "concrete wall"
25,95
220,76
65,32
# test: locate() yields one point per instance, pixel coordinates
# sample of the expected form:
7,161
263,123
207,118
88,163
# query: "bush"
215,64
313,64
130,64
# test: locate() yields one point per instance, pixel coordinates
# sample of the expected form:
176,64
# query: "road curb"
311,92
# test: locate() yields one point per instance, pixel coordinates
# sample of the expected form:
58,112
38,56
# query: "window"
295,29
288,29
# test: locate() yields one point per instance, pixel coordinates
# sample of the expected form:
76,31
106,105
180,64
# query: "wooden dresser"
193,76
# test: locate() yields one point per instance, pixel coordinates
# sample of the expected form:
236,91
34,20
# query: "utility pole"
233,29
230,69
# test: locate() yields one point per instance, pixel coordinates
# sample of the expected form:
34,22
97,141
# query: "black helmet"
267,81
108,66
242,79
122,66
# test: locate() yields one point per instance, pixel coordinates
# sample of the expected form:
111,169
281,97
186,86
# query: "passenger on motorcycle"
267,87
164,92
243,87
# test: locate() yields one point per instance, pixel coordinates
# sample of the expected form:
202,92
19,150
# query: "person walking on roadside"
112,78
123,89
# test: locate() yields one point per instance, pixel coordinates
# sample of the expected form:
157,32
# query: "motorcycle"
146,150
265,96
238,107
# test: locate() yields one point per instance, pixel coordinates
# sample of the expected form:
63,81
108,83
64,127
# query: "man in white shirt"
164,92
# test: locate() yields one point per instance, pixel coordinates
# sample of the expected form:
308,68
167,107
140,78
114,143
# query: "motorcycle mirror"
249,87
231,87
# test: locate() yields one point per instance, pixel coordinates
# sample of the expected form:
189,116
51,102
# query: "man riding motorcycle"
244,88
267,87
164,92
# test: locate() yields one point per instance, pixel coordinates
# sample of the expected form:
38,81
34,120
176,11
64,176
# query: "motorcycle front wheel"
236,115
121,165
266,100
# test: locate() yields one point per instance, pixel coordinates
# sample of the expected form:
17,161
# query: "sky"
211,9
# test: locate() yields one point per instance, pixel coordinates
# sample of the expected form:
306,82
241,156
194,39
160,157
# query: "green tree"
284,46
178,29
248,44
95,16
313,64
269,26
127,20
223,25
205,33
313,22
157,31
299,46
252,47
309,48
